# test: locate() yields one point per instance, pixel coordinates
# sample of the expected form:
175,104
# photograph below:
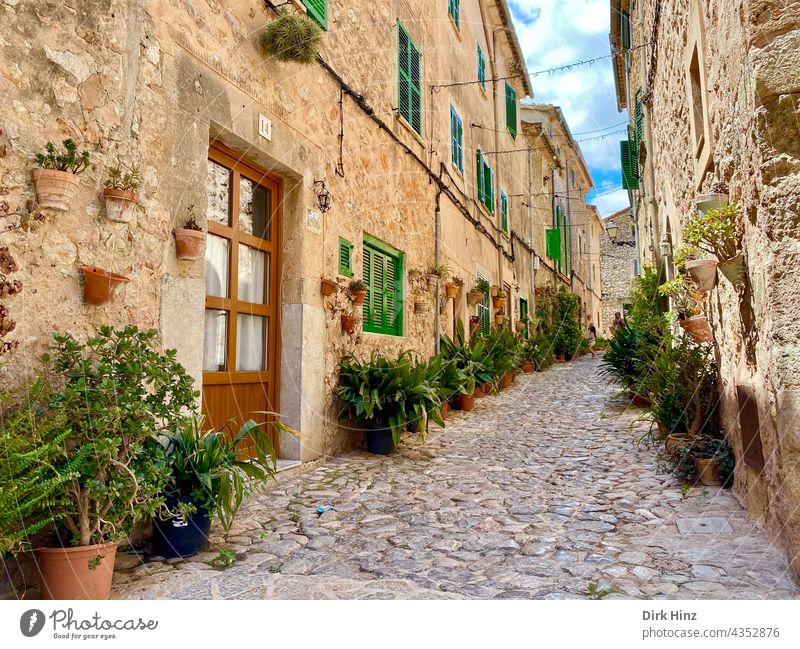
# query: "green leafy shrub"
718,231
568,334
503,351
470,356
67,160
292,37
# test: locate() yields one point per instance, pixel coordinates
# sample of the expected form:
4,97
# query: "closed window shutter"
404,75
416,88
630,178
318,10
481,68
345,258
379,285
625,29
511,110
390,292
479,167
553,237
457,140
367,277
383,307
504,212
488,192
454,7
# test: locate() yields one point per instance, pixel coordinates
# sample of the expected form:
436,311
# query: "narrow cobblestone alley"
540,492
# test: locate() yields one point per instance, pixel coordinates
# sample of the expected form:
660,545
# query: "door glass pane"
219,193
253,273
215,341
251,338
254,208
217,255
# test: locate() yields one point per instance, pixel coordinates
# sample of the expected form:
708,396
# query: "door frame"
221,154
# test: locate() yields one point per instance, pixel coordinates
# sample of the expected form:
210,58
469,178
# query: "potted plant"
712,458
717,197
437,273
528,355
719,231
189,237
499,300
568,334
120,192
56,180
521,324
210,472
115,393
449,380
690,314
703,271
469,357
358,289
494,291
383,395
452,288
349,323
292,37
477,293
328,287
99,284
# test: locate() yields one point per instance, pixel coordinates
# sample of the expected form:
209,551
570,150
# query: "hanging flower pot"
349,323
120,204
499,303
538,292
423,307
99,284
451,290
705,202
733,269
698,328
475,297
328,287
499,319
358,290
55,189
433,280
292,37
703,272
494,291
187,243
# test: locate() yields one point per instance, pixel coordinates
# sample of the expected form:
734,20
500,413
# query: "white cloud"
558,32
611,202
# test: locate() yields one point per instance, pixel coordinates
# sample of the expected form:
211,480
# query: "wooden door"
242,304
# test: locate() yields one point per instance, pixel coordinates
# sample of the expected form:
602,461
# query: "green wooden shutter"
318,10
511,110
638,118
523,315
345,257
415,64
383,307
454,9
479,178
367,277
630,178
488,191
456,140
553,237
481,68
404,75
625,29
504,211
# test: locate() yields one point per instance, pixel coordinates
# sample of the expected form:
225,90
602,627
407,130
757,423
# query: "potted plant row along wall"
56,179
120,192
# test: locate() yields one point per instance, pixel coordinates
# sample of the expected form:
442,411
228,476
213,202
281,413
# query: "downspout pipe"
437,255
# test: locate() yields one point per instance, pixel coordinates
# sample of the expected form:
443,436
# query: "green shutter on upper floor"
318,10
479,174
553,238
630,176
456,140
511,110
409,80
345,257
481,68
454,9
504,211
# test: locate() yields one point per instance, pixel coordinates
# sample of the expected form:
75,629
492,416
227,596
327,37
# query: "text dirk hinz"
681,616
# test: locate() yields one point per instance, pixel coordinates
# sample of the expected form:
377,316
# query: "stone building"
619,264
712,87
407,127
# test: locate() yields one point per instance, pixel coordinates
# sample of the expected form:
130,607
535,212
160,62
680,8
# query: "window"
456,140
481,68
409,103
383,275
504,212
485,182
696,88
454,9
511,110
345,257
523,315
318,10
625,29
485,312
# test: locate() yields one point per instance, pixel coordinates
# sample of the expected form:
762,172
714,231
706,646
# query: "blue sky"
558,32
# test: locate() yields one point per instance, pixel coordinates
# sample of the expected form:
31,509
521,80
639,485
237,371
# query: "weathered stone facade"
159,83
720,104
619,265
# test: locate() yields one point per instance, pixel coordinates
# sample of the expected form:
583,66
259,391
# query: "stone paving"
540,492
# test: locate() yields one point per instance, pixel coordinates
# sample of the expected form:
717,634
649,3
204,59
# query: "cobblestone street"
540,492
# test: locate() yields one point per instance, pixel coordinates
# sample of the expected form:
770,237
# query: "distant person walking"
618,321
592,340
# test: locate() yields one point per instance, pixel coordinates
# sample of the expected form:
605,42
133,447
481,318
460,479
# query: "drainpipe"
568,229
437,253
531,225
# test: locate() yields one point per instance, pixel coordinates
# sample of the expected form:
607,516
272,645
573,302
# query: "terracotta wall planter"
499,319
120,204
451,291
433,280
84,572
698,328
54,189
359,297
703,272
99,284
349,323
475,297
464,402
733,269
494,291
187,243
328,287
499,303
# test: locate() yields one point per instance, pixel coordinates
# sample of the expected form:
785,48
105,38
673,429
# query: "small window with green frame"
456,140
345,257
504,212
383,276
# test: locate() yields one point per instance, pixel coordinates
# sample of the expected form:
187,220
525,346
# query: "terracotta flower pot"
698,328
464,402
475,297
538,292
505,380
528,367
703,272
487,388
54,189
120,204
494,291
733,269
640,402
99,284
674,442
451,290
705,202
559,358
499,319
328,287
423,307
708,470
433,280
445,409
84,572
349,323
358,297
187,243
519,326
499,303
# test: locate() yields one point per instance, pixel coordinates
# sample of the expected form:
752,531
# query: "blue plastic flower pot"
181,536
380,440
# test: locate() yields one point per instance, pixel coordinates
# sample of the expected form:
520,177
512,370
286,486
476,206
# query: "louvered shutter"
553,237
379,285
488,176
481,68
404,75
629,175
318,10
511,110
479,180
504,212
415,64
367,277
390,291
345,257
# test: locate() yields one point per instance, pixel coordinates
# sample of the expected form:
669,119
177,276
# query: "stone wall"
750,86
618,265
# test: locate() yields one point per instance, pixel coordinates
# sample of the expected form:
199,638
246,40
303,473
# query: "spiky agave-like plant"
292,37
